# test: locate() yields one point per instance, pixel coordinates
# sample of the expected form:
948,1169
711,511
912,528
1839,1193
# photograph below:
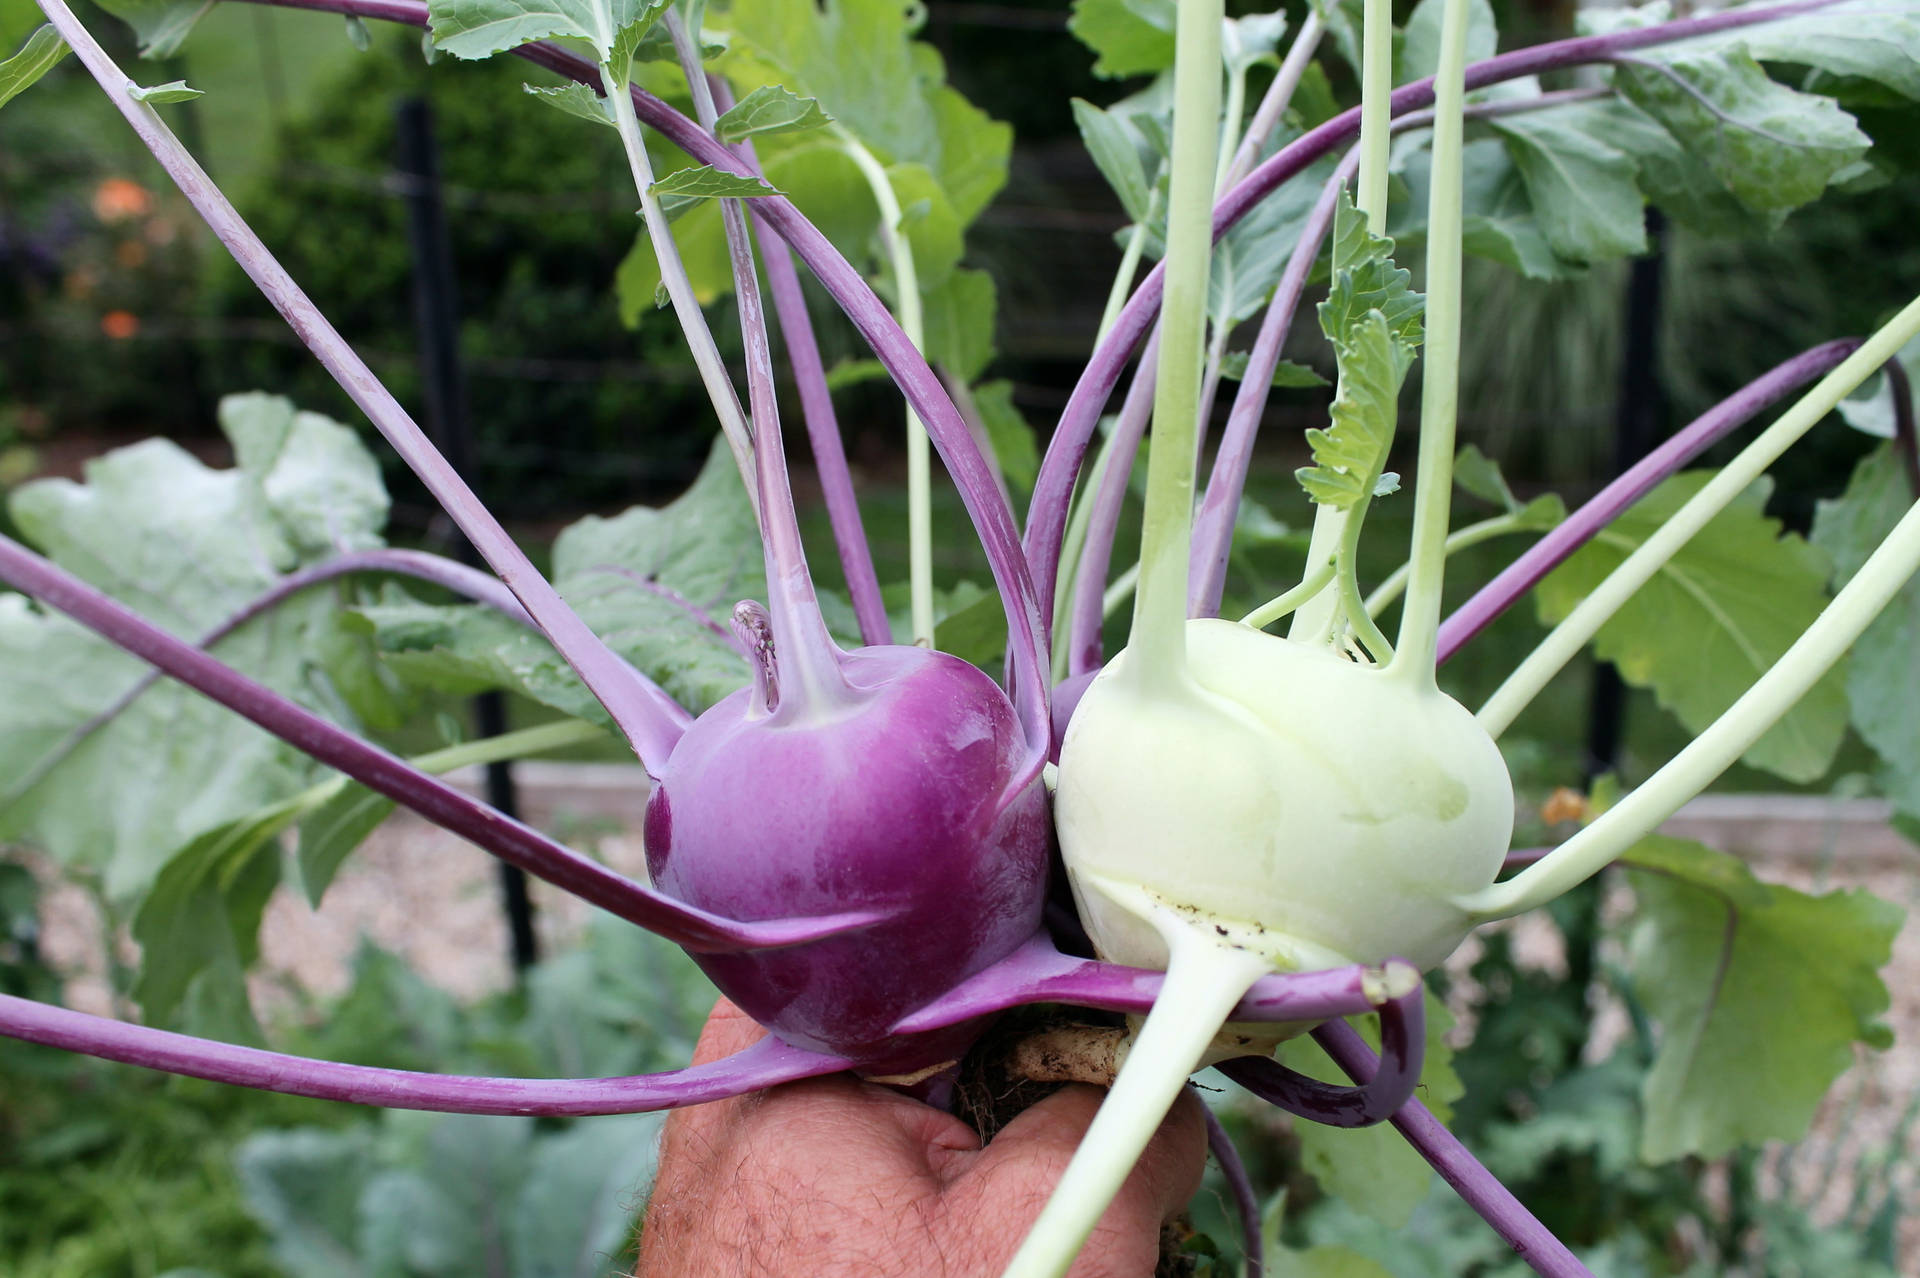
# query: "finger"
1041,1141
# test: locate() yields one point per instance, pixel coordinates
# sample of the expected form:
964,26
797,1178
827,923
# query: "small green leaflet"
770,109
1720,961
172,91
1365,279
703,181
574,99
1479,475
482,28
1373,320
161,26
1245,42
357,34
1373,1169
1774,147
1713,619
1287,375
1884,669
1132,37
43,49
1116,154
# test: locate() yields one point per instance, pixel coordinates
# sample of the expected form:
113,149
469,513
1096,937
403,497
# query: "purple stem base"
765,1064
1040,973
1403,1040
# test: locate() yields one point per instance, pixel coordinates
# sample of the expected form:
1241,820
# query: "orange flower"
1564,805
131,254
119,199
119,324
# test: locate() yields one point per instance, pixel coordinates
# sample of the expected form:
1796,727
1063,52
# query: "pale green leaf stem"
1316,580
906,280
673,274
1205,978
1160,605
1316,615
1810,657
1440,380
1523,521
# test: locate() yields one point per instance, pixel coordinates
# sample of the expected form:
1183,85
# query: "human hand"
834,1176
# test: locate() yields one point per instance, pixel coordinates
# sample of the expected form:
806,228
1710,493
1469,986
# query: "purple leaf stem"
795,607
1225,1153
1213,526
1403,1040
816,409
1109,498
1521,858
1481,1190
765,1064
992,518
1905,441
1702,433
1039,973
649,721
431,797
1053,490
450,573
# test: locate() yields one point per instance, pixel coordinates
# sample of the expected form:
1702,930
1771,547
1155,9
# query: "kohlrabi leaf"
172,91
1498,219
1366,279
959,322
1014,445
1348,458
161,26
1478,474
482,28
1581,187
1249,260
1373,1169
1715,618
1287,375
187,546
1884,669
658,585
36,57
1131,37
1373,318
575,99
703,181
771,108
1723,963
1116,154
203,912
1774,147
1343,20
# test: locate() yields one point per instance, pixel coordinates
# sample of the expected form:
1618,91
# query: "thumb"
1043,1139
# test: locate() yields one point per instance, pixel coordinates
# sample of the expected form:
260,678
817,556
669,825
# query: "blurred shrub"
567,407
